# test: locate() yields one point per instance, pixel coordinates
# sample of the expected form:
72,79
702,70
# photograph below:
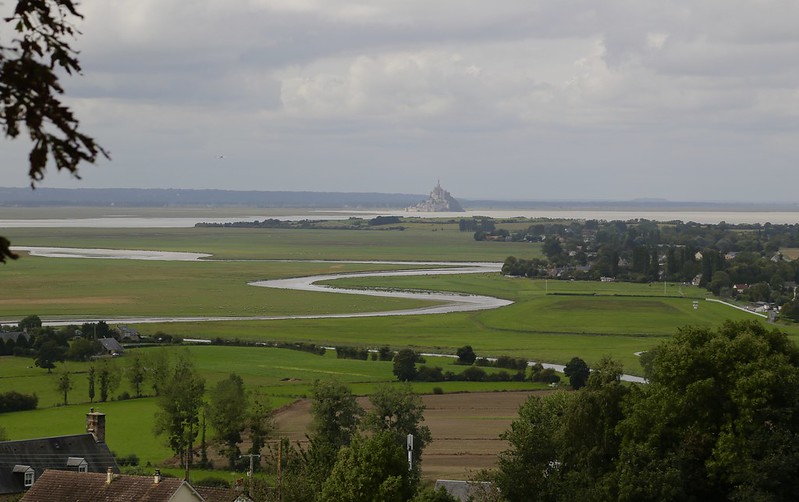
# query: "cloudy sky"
527,99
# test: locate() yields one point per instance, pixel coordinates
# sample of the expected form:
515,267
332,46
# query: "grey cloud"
570,99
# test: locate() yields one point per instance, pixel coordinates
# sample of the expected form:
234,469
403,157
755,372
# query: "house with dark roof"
13,335
70,486
111,346
23,462
464,490
128,334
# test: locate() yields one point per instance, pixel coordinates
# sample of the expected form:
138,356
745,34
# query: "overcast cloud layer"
567,99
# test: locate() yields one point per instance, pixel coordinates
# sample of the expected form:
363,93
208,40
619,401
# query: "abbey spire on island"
440,201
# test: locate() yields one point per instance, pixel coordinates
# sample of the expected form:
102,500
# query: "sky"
684,100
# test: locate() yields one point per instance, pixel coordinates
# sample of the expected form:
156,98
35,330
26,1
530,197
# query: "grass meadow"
550,321
107,288
420,242
283,375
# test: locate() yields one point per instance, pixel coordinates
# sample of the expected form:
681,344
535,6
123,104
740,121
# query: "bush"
501,376
385,353
438,390
546,375
466,355
131,460
15,401
511,363
352,353
473,374
213,482
428,374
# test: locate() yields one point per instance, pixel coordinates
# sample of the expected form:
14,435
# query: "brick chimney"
95,424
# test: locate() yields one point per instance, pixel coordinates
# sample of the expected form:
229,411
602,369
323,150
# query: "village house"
111,347
463,490
69,486
23,462
128,334
5,336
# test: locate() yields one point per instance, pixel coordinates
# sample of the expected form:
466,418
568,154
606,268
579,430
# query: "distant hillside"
140,197
134,197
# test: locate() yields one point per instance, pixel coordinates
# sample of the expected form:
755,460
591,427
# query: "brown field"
465,428
792,253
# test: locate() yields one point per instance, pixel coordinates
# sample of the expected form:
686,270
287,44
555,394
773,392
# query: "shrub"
428,374
438,390
473,374
385,353
15,401
511,363
352,353
212,481
501,376
466,355
131,460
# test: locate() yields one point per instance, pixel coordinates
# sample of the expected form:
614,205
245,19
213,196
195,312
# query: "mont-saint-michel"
439,201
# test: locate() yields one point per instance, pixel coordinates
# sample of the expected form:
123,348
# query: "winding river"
449,302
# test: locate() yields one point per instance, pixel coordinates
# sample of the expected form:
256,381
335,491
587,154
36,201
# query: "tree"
95,330
718,420
336,415
430,494
180,401
29,87
48,354
577,371
398,410
552,248
370,468
563,446
91,376
405,365
790,310
588,435
64,385
157,368
259,422
136,373
720,281
530,465
466,355
82,349
227,415
384,353
108,380
30,322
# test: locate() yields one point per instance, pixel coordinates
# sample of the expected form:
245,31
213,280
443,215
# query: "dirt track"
465,428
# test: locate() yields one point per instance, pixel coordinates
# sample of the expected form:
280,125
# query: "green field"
550,321
282,374
106,288
421,242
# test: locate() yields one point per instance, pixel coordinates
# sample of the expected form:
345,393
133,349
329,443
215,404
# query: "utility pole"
280,470
249,474
410,451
